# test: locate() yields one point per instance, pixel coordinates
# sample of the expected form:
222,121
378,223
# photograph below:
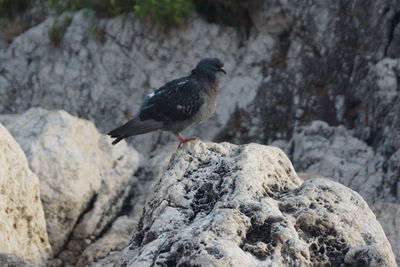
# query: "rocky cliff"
209,205
320,80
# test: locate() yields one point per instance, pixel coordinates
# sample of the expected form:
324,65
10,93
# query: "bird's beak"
222,70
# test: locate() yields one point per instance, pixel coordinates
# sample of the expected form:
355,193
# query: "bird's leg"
183,140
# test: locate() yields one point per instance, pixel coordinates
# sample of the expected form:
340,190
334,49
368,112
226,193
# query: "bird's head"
213,65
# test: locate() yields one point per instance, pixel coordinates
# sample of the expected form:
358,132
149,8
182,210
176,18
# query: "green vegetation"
12,8
57,31
164,13
9,10
102,8
97,33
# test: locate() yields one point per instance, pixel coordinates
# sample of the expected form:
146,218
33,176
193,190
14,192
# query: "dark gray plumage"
178,104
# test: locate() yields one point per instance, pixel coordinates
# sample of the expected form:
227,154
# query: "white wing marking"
182,83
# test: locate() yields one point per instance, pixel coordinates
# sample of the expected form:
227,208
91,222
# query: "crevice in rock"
392,27
124,210
163,248
89,207
138,235
127,204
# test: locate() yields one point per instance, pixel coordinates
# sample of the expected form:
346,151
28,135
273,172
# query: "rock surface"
83,178
22,224
301,61
10,260
297,62
228,205
114,241
388,214
107,250
334,152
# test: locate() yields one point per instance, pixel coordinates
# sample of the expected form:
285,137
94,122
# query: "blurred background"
319,79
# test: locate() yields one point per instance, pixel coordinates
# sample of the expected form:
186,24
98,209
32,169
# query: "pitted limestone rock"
223,204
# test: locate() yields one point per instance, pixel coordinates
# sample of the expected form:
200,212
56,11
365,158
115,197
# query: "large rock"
22,224
229,205
301,61
334,152
83,178
108,248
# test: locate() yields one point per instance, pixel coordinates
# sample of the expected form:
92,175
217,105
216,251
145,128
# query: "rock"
108,248
10,260
388,214
333,152
229,205
115,240
148,176
83,178
22,224
332,61
391,189
335,62
78,75
108,261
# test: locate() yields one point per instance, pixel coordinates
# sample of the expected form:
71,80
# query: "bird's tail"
134,127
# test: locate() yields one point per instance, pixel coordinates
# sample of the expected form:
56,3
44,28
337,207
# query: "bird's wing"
177,100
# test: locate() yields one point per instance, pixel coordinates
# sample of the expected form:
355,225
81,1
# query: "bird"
177,105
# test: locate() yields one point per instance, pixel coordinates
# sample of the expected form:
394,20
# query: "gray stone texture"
84,180
220,205
320,79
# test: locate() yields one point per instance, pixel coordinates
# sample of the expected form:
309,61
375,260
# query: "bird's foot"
183,140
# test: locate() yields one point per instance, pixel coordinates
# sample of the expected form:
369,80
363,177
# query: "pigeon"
177,105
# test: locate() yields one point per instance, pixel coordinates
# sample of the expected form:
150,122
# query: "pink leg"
183,140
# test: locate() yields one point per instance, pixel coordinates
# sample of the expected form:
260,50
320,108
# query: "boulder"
83,178
230,205
22,224
334,152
